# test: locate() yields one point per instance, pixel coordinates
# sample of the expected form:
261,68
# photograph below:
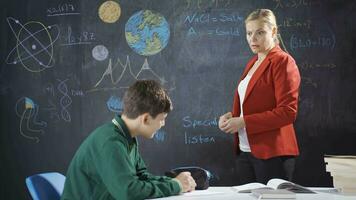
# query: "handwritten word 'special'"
188,122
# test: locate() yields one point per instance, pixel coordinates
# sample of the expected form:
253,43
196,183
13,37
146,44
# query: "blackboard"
65,65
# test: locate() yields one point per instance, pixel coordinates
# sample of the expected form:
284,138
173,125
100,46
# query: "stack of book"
343,171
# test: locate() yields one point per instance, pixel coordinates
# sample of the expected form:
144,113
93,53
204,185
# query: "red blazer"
270,105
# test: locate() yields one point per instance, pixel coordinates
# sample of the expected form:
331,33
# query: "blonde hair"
266,16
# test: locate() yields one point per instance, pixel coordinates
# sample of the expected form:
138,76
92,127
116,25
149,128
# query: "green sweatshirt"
108,165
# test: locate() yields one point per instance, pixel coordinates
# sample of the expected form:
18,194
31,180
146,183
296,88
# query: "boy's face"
152,125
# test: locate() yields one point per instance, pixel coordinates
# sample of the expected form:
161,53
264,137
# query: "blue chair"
46,186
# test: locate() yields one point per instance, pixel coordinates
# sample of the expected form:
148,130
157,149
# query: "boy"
108,165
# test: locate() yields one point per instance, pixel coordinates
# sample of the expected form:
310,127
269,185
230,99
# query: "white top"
241,89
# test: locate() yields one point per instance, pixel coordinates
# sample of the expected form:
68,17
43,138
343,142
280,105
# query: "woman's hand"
223,118
231,124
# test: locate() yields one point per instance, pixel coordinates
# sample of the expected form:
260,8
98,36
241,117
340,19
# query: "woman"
265,106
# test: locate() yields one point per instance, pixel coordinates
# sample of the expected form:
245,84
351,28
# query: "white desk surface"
226,193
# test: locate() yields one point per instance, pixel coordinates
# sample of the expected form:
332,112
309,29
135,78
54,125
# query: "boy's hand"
187,181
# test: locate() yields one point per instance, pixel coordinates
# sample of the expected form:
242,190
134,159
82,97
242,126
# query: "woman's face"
260,36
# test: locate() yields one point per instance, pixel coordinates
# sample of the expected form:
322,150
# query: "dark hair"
146,96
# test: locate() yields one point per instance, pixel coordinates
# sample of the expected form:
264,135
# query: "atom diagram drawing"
34,44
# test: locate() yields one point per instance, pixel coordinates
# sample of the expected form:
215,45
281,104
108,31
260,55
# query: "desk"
225,193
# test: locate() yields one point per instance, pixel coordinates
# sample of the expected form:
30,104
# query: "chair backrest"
46,186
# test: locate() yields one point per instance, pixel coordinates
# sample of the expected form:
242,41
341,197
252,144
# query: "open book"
273,194
272,184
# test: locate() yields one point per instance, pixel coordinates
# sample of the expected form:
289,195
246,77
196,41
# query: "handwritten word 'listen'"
198,139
